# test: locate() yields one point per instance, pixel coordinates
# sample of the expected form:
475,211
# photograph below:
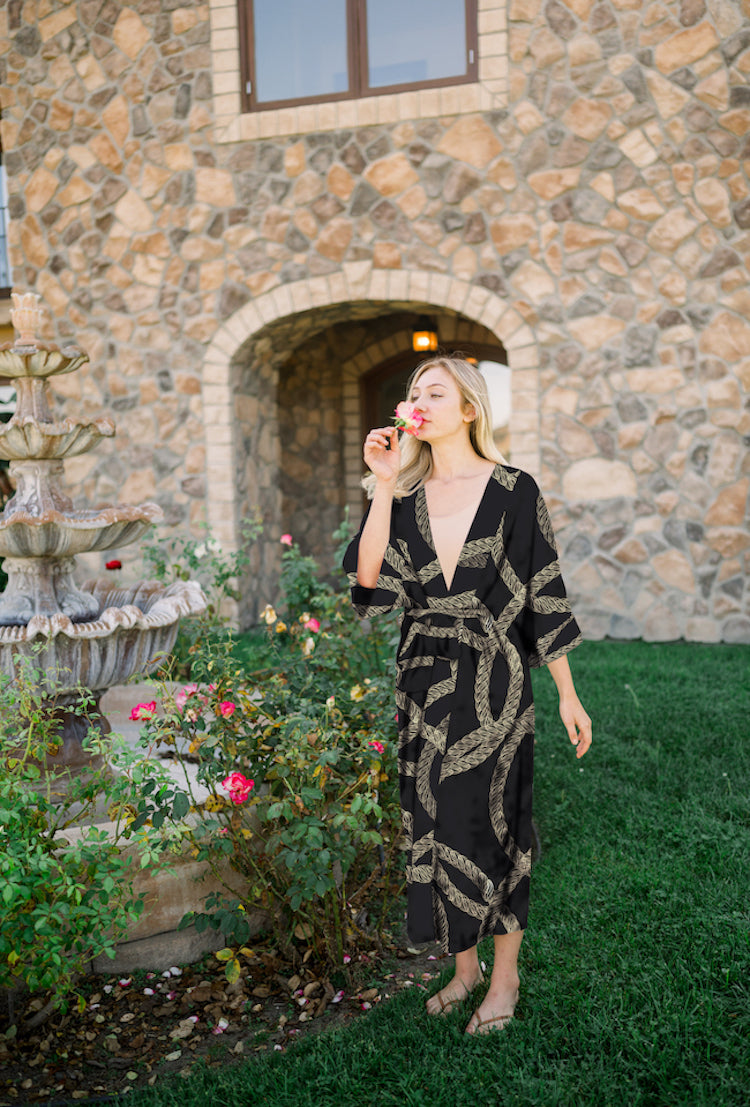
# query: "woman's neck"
455,461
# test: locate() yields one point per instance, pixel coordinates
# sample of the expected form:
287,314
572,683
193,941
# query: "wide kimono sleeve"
548,628
388,593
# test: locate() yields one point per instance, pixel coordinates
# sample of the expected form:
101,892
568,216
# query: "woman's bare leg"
502,994
465,979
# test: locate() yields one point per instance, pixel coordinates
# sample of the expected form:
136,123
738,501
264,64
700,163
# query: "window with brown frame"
312,51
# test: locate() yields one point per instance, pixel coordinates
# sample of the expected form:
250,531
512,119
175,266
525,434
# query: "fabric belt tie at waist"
459,615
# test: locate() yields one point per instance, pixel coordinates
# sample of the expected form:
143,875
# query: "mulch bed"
136,1030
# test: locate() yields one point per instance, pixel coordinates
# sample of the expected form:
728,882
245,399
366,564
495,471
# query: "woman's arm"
576,721
375,534
383,458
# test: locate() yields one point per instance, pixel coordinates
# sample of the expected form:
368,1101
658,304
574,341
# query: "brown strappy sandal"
476,1023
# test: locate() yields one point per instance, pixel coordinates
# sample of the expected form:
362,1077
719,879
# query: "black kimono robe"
465,706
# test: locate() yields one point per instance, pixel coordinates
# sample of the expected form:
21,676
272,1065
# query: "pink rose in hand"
143,711
238,786
408,418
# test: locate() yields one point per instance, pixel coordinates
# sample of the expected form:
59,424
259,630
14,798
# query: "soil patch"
133,1031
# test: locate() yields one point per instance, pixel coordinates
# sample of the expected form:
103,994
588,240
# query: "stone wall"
605,207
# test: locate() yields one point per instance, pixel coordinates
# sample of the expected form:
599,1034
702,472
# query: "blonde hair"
416,454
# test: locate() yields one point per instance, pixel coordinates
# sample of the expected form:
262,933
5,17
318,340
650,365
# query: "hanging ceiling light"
424,337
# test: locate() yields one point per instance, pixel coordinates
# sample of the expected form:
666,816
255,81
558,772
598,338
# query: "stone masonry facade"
585,206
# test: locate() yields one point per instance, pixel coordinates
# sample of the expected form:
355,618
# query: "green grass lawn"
635,967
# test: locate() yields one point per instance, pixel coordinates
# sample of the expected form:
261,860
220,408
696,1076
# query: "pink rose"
182,696
312,624
238,786
143,711
226,708
286,540
379,746
408,418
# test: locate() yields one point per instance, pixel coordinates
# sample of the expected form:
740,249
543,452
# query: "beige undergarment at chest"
449,536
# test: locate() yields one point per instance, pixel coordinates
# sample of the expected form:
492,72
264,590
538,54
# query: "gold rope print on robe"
454,629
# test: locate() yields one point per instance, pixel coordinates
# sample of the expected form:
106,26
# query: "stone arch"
356,282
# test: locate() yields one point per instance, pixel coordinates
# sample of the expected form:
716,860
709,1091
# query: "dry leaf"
184,1030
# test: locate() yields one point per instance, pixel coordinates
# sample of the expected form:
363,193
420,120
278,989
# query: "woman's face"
437,398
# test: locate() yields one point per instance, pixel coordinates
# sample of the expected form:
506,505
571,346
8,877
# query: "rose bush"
65,900
179,558
299,760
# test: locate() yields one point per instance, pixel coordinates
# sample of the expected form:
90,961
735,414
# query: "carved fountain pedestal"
97,634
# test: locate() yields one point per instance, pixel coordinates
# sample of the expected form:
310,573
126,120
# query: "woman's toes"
479,1024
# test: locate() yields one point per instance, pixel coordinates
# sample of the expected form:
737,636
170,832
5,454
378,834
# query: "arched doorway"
306,389
256,372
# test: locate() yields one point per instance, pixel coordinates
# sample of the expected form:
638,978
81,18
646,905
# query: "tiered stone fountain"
97,634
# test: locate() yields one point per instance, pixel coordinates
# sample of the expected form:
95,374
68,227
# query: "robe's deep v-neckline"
423,493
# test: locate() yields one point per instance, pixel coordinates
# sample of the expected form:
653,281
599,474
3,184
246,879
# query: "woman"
464,544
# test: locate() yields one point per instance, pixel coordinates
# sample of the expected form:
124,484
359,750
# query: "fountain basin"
27,438
65,534
39,360
135,626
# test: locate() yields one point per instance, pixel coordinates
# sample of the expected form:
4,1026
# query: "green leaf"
181,805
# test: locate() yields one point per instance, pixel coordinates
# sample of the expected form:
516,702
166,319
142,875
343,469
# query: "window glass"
412,41
4,264
300,49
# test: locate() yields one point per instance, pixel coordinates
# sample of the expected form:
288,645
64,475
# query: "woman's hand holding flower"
381,460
